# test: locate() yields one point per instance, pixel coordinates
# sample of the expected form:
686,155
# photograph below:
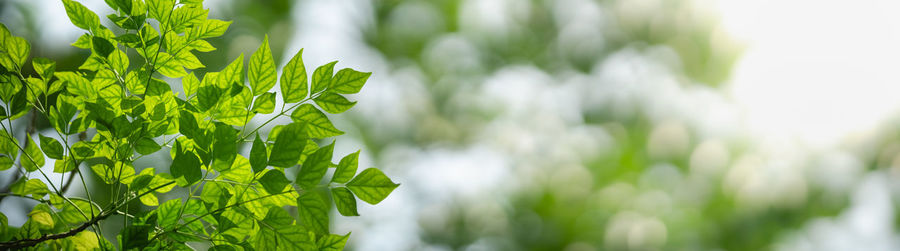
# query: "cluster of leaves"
111,112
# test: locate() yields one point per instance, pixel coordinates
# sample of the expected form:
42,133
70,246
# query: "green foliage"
118,107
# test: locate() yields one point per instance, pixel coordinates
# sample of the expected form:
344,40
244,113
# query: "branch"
23,243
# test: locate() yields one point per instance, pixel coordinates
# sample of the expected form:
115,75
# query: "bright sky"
816,70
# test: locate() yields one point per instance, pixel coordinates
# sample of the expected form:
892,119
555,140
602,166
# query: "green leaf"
333,103
41,215
146,146
186,165
51,147
17,49
83,42
168,214
44,67
209,28
101,46
288,145
233,73
191,84
136,83
262,69
5,163
344,201
169,68
161,10
332,242
372,186
81,16
321,78
258,155
240,171
274,181
224,146
34,187
208,96
346,168
119,172
265,103
63,165
294,85
314,167
318,125
72,214
349,81
78,85
119,61
32,158
313,212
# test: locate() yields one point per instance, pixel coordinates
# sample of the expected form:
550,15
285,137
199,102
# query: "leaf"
265,103
5,163
51,147
63,165
314,167
372,186
72,214
258,155
262,69
332,242
321,78
81,16
294,85
146,145
161,10
224,146
17,49
318,125
333,103
233,73
288,145
44,67
41,215
209,28
78,85
190,84
313,212
349,81
35,187
32,159
119,61
119,172
274,181
346,168
136,83
168,213
186,165
169,68
240,170
101,46
344,201
208,96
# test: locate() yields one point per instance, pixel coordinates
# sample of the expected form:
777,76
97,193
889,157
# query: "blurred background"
590,124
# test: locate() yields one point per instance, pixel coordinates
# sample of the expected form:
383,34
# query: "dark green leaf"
224,146
51,147
186,165
288,145
274,181
146,146
258,155
101,46
314,167
313,212
344,201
